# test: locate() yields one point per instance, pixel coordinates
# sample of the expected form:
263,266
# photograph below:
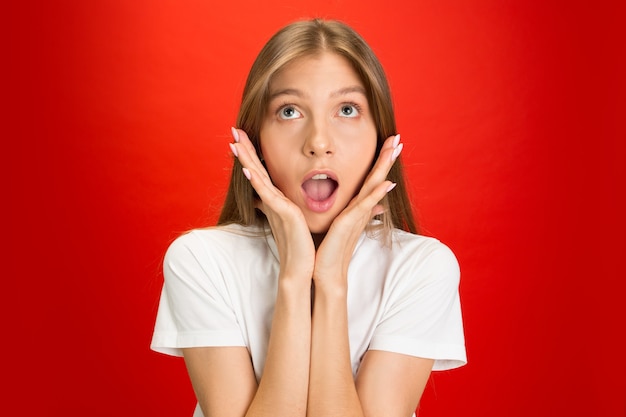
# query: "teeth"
319,177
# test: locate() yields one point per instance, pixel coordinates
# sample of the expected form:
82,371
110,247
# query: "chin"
319,227
318,230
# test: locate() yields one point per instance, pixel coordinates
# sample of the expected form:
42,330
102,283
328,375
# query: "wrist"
294,284
331,288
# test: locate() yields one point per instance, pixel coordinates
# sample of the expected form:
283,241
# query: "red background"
115,132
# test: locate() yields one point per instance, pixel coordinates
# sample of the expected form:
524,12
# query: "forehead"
327,68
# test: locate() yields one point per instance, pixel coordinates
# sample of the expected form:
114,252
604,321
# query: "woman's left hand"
335,252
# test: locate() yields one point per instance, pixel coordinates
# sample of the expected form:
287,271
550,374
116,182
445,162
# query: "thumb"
258,204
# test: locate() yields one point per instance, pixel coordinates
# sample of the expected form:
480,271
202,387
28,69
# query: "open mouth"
319,191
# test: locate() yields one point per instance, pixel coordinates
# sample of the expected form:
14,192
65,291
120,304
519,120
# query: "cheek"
276,160
364,161
276,140
362,149
279,147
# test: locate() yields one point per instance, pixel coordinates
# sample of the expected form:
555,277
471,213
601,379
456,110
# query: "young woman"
313,296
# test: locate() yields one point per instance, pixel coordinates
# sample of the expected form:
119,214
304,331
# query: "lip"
324,205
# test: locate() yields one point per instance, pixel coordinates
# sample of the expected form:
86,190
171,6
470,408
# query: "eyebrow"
348,90
286,92
341,92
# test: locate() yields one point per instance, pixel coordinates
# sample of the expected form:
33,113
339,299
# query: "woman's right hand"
291,232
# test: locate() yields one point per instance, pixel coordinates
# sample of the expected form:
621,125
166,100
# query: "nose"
318,141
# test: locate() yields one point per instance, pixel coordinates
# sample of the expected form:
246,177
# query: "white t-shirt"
221,283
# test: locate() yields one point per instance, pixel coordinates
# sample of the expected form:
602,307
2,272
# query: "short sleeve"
195,308
423,315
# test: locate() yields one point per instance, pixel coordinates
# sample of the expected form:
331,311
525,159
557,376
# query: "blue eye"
288,112
349,110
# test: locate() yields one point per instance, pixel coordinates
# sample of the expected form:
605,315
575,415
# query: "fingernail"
392,186
233,148
397,151
235,134
396,141
246,172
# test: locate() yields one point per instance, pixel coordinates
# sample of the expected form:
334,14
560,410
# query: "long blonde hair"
306,38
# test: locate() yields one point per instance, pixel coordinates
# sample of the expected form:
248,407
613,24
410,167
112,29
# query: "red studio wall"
115,138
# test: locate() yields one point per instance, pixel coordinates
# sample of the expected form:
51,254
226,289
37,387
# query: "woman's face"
318,137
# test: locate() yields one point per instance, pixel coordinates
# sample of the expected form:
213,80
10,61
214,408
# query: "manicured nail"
246,172
397,151
396,141
235,134
233,148
392,186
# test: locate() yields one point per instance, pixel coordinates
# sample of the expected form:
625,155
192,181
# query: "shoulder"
424,252
221,236
218,242
411,255
405,246
429,258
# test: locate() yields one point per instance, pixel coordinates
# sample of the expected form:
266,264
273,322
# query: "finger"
361,210
388,155
377,210
378,193
249,160
245,151
258,204
271,197
252,168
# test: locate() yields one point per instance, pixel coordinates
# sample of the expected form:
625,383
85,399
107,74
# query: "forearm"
283,389
332,391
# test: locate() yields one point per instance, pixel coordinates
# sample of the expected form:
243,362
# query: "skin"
311,125
321,102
